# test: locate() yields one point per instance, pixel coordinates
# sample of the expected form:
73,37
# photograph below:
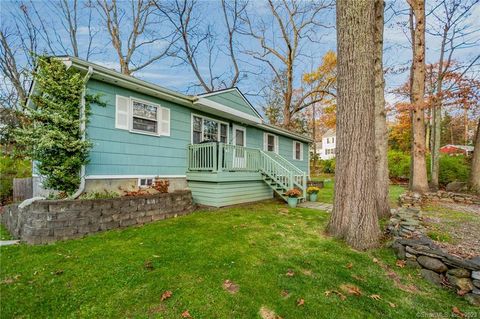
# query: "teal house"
215,144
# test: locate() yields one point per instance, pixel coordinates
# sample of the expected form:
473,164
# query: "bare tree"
450,26
298,23
132,29
198,40
381,144
11,71
69,15
418,181
354,216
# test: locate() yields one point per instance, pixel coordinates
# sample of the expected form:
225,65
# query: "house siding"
229,193
234,100
120,152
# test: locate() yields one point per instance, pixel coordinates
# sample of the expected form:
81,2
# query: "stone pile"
412,199
436,266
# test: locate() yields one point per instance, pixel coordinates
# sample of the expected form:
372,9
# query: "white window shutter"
164,122
265,141
122,112
294,150
276,144
301,151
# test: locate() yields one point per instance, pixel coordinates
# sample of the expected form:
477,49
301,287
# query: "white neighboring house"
327,150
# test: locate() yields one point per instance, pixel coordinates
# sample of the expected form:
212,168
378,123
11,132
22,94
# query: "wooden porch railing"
217,157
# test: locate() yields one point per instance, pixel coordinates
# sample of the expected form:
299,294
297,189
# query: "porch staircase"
276,171
281,175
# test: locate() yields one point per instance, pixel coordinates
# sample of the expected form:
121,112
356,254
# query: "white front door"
239,139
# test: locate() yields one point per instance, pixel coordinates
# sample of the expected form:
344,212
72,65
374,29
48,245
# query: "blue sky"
170,74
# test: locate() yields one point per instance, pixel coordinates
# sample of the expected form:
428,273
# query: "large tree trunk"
474,182
419,182
382,181
354,217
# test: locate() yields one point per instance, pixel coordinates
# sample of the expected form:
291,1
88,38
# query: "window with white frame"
140,116
145,182
207,129
270,142
144,117
297,151
329,151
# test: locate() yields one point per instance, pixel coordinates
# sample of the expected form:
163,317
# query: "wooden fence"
22,189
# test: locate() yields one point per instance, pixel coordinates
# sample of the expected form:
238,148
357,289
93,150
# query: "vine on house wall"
52,135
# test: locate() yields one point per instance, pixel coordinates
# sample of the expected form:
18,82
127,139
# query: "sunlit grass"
104,275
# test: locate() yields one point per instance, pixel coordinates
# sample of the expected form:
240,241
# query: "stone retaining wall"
436,266
47,221
412,199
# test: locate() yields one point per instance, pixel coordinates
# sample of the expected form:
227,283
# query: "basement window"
145,182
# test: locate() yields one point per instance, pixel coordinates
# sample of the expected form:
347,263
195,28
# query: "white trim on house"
139,182
234,137
211,119
132,176
275,142
294,149
163,126
226,111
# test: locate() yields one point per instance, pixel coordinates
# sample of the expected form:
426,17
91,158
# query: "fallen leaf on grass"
462,292
290,273
400,263
306,272
391,304
8,281
375,297
339,294
284,293
230,286
300,302
266,313
167,294
351,289
186,314
148,265
57,272
283,211
375,260
349,266
457,311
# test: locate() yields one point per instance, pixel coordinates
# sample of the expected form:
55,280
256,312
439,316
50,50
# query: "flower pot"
313,197
292,202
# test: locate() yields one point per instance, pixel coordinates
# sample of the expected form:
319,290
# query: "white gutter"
81,187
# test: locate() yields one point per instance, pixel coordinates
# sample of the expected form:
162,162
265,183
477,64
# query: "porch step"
275,180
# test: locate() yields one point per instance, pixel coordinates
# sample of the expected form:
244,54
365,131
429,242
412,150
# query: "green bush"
452,168
327,166
11,168
398,164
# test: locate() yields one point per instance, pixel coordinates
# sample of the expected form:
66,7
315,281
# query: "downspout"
81,187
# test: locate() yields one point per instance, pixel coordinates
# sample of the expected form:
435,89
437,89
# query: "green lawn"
123,273
326,194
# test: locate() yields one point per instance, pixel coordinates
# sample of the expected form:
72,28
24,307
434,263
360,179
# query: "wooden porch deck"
221,174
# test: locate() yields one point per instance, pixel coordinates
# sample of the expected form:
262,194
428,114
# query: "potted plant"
293,195
313,192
